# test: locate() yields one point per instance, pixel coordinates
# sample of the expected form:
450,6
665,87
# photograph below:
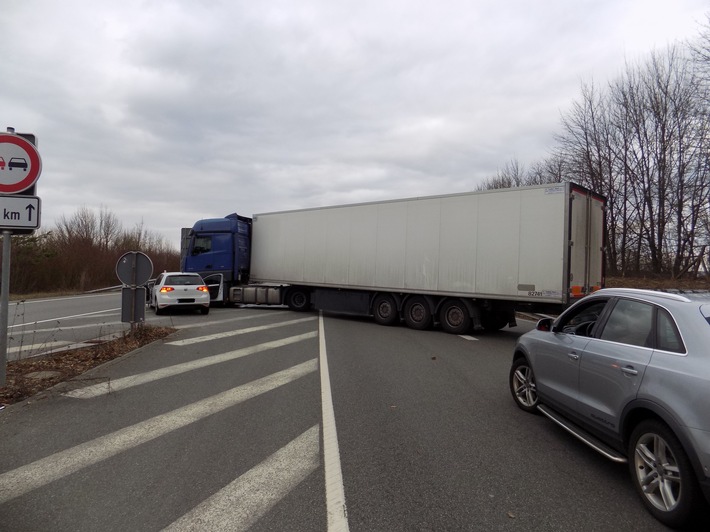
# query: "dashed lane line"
37,347
122,383
202,324
32,476
64,318
229,334
240,504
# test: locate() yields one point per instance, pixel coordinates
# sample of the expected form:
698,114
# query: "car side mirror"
545,325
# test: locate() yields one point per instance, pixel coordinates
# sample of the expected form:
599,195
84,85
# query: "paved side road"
256,419
44,326
170,435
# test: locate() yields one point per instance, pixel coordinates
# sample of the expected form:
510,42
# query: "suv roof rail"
676,296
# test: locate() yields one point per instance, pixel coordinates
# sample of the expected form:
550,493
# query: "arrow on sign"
30,209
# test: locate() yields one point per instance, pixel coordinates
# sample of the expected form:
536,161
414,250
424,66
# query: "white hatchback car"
180,290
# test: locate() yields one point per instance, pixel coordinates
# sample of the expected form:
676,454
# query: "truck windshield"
202,244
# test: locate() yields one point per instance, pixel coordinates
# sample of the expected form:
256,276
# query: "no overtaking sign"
20,164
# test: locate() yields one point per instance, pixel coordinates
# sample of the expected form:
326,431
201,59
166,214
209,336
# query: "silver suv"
628,373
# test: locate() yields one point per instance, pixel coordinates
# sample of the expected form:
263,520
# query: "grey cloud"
171,111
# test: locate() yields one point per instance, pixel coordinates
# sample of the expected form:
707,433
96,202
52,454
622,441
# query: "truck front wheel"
298,299
455,317
417,313
384,309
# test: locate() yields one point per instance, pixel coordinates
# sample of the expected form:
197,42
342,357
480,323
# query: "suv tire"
658,463
522,385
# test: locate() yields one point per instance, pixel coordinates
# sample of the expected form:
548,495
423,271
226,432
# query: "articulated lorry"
463,261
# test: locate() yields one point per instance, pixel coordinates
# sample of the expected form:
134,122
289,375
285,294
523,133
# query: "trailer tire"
384,309
455,317
298,299
417,314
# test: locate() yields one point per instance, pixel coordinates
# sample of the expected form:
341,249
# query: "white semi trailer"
459,260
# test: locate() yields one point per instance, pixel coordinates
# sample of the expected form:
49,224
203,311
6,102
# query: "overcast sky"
164,112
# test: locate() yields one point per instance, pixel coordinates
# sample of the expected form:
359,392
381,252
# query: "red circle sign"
20,164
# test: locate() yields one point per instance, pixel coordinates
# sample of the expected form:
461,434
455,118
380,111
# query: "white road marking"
37,347
103,388
54,299
29,477
157,323
228,334
334,490
60,318
62,327
214,322
239,505
467,337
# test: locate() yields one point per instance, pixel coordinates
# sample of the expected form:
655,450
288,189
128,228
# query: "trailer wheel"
417,314
455,317
298,299
384,309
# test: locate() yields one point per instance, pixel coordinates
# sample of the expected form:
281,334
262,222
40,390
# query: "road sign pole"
134,274
17,151
4,304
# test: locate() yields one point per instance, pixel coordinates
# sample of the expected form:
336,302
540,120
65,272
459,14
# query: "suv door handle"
573,355
629,370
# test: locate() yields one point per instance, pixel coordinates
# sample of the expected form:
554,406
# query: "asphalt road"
38,326
43,326
264,419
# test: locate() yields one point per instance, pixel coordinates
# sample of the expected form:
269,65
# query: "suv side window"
667,335
583,319
630,322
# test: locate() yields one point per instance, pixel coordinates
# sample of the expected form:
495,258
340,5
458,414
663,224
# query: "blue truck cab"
219,246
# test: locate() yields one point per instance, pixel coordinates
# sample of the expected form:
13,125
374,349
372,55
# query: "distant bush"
81,253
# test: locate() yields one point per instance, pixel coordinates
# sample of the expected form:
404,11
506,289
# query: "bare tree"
81,253
642,144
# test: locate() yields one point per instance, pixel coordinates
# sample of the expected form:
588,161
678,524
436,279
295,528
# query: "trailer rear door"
586,264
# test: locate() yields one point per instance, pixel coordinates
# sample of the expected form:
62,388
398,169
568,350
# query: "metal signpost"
20,167
133,270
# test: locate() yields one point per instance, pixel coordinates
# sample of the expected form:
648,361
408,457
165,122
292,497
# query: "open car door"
215,284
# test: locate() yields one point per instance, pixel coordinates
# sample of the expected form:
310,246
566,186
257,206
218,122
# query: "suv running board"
583,435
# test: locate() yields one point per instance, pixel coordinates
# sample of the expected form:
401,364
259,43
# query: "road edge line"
334,490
